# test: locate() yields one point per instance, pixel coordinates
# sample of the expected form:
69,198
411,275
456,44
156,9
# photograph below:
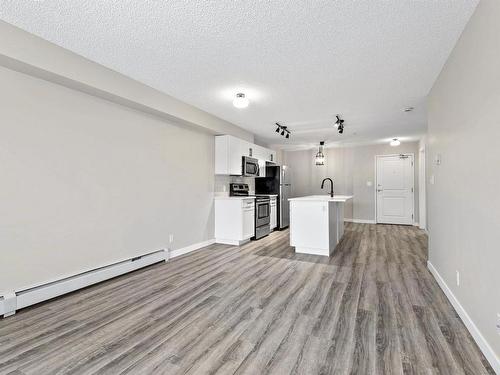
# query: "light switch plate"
437,159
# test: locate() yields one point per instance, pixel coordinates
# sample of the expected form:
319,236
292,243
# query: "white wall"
464,203
350,168
86,182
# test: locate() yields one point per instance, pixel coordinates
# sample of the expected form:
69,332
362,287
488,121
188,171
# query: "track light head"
339,124
287,135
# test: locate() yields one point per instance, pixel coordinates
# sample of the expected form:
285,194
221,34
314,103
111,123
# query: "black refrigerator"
277,181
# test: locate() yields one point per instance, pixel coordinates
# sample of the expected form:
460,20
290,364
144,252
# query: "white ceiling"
300,62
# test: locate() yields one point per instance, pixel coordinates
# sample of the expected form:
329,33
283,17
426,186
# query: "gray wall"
96,167
42,59
350,168
86,182
463,204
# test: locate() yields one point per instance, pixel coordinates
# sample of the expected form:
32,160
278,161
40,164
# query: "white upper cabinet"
265,154
230,150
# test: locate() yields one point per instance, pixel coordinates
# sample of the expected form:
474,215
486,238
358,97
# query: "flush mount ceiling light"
320,157
409,109
395,142
339,124
241,101
283,129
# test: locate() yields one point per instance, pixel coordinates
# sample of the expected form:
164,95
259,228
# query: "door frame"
422,180
412,182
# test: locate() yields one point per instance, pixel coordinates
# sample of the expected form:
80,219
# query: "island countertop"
323,198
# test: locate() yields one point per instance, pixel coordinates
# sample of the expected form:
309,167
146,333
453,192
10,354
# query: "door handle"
379,190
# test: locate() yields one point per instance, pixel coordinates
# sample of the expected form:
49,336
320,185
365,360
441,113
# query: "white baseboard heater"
15,300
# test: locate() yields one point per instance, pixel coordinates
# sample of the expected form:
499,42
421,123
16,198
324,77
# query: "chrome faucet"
331,185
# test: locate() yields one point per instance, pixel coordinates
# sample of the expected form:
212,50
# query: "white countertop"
219,197
269,195
323,198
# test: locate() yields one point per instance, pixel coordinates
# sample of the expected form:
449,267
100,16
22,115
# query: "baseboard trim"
360,221
225,241
184,250
474,331
11,301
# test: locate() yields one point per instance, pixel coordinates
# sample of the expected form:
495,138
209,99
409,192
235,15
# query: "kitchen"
243,214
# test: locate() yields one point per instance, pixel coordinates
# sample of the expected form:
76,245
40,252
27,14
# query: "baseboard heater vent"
12,301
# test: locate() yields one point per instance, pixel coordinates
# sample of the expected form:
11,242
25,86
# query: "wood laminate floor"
372,308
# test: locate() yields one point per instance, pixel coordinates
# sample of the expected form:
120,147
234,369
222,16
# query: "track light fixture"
284,131
339,124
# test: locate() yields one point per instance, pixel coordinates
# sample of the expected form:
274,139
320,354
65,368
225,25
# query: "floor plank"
371,308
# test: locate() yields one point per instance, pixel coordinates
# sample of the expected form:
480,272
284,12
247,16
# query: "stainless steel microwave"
250,167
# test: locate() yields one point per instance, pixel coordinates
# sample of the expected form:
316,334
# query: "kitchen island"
317,223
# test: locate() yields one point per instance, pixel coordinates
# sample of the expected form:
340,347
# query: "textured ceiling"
300,62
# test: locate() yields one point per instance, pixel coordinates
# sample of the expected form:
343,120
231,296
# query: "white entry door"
395,189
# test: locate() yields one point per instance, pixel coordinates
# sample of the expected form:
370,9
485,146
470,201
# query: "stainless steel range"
262,216
262,209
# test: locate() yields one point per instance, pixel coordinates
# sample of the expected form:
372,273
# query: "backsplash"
222,183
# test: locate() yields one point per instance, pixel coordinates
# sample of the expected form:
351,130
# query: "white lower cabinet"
248,222
273,222
234,220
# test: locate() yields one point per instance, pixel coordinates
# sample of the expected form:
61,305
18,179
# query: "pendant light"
320,157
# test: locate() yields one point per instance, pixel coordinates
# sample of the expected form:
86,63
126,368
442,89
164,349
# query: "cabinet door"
274,212
247,149
259,152
248,222
262,168
272,156
237,149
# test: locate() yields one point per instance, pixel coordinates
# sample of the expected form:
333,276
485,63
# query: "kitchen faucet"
331,185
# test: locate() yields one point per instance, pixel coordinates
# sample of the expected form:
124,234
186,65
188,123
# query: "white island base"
317,223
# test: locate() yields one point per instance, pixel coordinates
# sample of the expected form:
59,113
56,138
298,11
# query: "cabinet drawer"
248,204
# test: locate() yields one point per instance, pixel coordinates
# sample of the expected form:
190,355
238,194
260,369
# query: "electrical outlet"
458,278
171,238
